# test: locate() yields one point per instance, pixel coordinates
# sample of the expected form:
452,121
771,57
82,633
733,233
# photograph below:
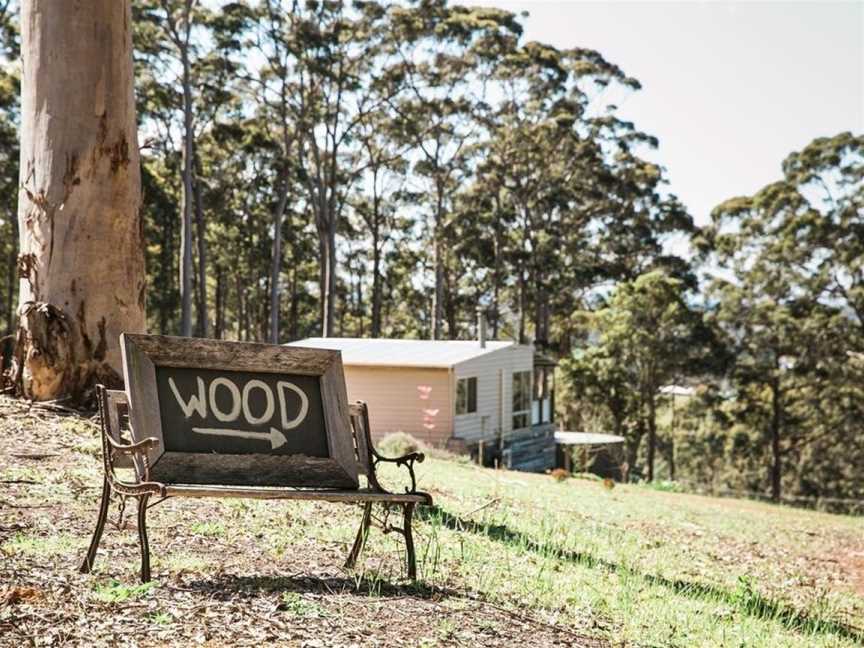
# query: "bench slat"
251,492
358,426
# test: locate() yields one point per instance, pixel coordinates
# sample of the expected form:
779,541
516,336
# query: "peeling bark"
81,267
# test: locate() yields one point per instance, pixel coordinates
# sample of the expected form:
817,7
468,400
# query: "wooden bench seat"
263,492
119,453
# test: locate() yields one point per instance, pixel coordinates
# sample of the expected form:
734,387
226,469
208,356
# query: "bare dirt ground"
213,584
854,562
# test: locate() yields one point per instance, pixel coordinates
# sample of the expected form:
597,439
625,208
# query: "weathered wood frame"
142,354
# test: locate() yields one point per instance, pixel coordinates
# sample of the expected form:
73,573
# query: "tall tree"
174,19
791,298
829,174
653,335
81,261
439,50
186,50
376,206
272,87
9,155
333,53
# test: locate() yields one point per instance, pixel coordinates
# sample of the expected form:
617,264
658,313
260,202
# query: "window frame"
541,394
469,382
521,409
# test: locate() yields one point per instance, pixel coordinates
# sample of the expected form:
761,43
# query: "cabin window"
466,395
541,406
521,399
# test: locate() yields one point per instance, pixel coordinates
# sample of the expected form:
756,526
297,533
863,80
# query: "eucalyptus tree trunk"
451,308
521,306
275,272
81,265
221,289
438,263
776,453
652,435
329,283
6,341
186,198
166,277
242,318
11,277
294,325
377,296
202,322
281,204
496,272
276,263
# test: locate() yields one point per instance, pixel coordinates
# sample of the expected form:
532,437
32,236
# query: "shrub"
398,444
666,486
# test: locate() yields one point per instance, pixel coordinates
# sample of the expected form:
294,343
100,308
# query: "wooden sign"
236,413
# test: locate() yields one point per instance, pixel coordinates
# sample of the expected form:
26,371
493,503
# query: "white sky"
729,88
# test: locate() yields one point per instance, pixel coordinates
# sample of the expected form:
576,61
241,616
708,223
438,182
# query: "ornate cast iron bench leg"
360,540
87,565
405,531
409,541
142,537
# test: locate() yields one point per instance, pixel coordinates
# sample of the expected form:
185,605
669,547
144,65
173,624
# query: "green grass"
643,565
117,592
40,546
22,474
180,562
295,604
210,529
666,486
639,565
161,618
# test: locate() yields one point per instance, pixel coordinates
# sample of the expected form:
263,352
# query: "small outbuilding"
487,398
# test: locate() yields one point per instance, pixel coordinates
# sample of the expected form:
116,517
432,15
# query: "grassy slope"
505,558
648,567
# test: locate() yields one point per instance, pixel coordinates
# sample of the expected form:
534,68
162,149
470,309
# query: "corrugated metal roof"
403,353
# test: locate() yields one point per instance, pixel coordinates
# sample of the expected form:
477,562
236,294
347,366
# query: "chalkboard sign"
237,413
231,412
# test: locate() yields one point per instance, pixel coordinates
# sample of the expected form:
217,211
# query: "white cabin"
487,398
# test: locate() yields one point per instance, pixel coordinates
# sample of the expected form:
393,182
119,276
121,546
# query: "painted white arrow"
275,436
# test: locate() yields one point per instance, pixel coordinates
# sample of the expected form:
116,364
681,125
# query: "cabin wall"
490,369
416,401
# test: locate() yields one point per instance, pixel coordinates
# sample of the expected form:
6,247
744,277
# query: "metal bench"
120,453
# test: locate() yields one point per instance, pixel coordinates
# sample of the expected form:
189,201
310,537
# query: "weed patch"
294,603
33,545
117,592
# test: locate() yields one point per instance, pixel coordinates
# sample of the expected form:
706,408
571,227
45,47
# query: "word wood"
219,411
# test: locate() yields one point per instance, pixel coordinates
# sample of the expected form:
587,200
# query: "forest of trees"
384,170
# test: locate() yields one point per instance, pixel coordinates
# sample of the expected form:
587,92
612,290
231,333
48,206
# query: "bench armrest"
138,451
407,461
370,458
139,448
